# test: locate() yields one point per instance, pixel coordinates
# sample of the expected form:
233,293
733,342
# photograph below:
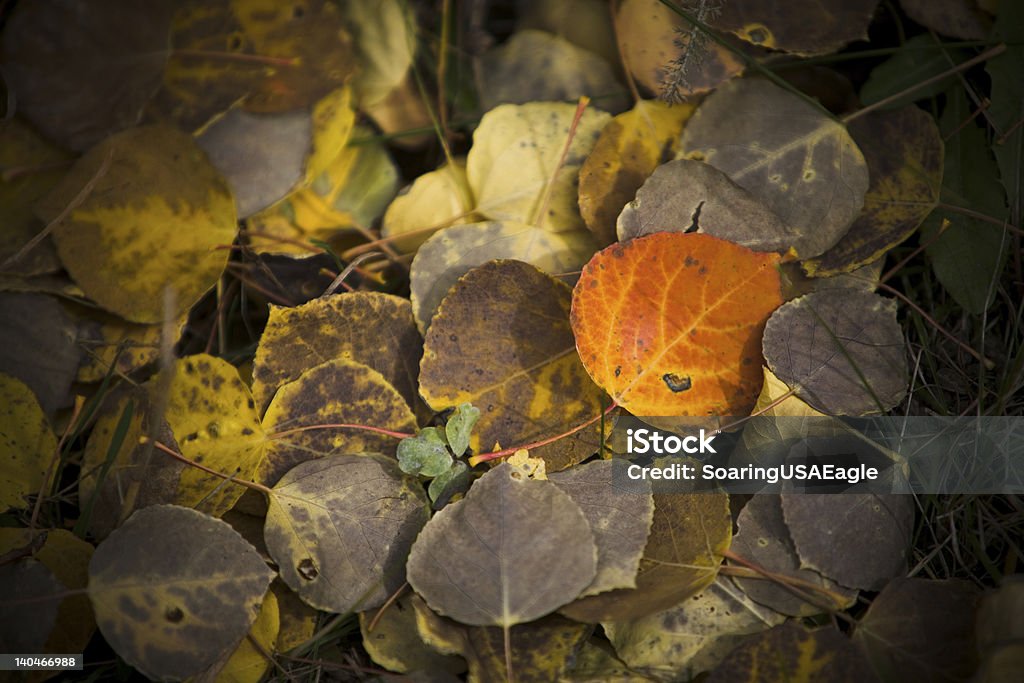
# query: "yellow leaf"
395,642
385,41
153,214
435,200
298,620
105,337
27,444
631,146
516,149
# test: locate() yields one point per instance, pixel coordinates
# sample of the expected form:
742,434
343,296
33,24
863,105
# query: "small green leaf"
460,426
448,481
426,453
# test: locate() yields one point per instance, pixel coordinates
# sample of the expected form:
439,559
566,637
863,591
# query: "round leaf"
155,214
426,454
33,590
336,392
27,444
81,71
523,372
685,195
669,324
842,350
340,529
859,540
347,326
488,569
806,27
435,200
395,642
804,166
516,149
454,251
175,590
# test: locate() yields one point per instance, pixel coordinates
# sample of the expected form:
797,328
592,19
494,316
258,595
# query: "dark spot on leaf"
758,36
618,370
246,431
676,383
307,570
213,429
252,404
191,437
174,614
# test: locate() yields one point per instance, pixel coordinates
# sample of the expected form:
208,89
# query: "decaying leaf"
789,653
921,59
586,23
841,350
693,636
629,149
805,166
860,540
109,343
654,42
684,550
347,326
712,298
806,27
903,152
536,66
454,251
958,18
764,540
250,661
686,195
340,529
335,392
516,150
175,590
619,519
384,38
395,642
79,86
27,444
921,630
29,592
155,214
487,569
502,342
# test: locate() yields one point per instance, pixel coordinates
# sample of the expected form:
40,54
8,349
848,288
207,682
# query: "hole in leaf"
677,383
307,570
174,615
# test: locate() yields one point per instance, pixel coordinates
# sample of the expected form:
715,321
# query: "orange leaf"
670,324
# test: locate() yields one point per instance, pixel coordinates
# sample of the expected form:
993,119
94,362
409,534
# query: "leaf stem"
191,463
805,590
542,207
338,425
484,457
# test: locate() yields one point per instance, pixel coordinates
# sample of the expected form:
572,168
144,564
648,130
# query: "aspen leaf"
384,38
501,341
686,195
620,521
805,27
516,150
298,621
215,423
682,556
651,37
859,540
712,297
536,66
435,200
763,539
841,350
539,651
38,341
264,157
920,59
27,444
805,166
353,190
958,18
106,339
152,220
289,56
694,635
903,152
29,592
629,149
395,641
346,326
484,569
340,529
921,630
175,590
336,392
454,251
67,558
586,23
21,147
248,663
789,653
79,86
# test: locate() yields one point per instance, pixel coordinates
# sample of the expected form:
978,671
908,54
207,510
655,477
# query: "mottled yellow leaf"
27,444
631,146
104,338
156,214
249,661
395,642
